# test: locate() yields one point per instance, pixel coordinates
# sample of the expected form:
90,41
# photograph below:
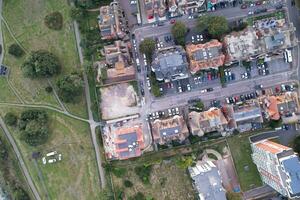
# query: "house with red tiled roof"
123,140
207,121
166,130
205,56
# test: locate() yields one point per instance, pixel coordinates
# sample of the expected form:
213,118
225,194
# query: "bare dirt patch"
118,101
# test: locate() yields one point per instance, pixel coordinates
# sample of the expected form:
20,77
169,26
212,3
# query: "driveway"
284,136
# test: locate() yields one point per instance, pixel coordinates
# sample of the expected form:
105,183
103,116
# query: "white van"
288,56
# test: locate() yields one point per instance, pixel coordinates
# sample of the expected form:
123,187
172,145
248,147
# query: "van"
288,56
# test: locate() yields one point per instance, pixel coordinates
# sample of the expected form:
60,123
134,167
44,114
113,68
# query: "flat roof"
292,167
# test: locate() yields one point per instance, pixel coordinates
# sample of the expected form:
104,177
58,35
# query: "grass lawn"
6,94
241,152
76,176
166,182
26,21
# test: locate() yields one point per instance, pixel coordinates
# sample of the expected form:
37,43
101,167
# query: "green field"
167,181
76,176
247,172
26,22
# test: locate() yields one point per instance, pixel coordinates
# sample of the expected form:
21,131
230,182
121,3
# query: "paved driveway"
285,137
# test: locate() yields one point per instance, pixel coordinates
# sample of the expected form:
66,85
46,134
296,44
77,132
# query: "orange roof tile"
271,147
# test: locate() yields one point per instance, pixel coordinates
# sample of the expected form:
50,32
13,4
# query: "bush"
143,172
34,127
15,50
3,152
20,194
147,47
41,63
70,87
48,89
119,172
128,183
138,196
54,21
10,119
296,145
179,30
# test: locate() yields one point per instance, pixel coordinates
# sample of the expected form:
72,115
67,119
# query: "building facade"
279,167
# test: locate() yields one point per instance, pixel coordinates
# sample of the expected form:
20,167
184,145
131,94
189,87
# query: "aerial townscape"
149,100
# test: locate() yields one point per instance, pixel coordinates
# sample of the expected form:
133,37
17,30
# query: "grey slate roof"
292,167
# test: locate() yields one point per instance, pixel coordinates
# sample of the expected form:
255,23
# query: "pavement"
20,158
92,123
284,136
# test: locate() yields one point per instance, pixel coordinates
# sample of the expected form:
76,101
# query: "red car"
172,21
244,6
277,89
209,76
258,3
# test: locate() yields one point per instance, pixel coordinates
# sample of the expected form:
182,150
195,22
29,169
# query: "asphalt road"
20,159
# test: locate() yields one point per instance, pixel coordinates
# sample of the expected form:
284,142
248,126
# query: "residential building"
207,181
119,62
283,106
279,167
170,64
123,140
245,117
207,121
166,130
112,23
185,7
155,10
205,56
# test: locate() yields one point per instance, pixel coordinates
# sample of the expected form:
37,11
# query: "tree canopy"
179,30
70,87
41,63
34,127
15,50
54,21
215,25
10,119
296,145
147,46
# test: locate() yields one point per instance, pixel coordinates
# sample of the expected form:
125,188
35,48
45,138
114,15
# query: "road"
92,123
21,161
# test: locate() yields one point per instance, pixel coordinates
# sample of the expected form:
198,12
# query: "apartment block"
279,167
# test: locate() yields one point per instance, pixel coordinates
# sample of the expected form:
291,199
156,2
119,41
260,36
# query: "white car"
133,2
170,112
196,80
51,161
44,160
250,12
177,111
188,87
59,157
203,91
179,89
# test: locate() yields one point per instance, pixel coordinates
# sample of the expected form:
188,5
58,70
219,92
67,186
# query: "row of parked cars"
240,99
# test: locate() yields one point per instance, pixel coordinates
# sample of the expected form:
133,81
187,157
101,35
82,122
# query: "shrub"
20,194
296,145
138,196
128,183
70,87
15,50
54,21
118,171
34,127
143,172
48,89
10,119
41,63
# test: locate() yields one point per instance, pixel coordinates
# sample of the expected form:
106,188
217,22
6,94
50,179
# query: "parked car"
244,6
173,21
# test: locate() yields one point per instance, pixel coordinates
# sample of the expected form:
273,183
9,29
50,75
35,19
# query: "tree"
20,194
143,172
147,46
15,50
296,145
10,119
48,89
41,63
199,104
54,21
275,123
78,13
70,87
128,183
178,31
138,196
215,25
34,127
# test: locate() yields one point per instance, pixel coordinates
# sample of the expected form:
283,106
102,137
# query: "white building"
279,167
